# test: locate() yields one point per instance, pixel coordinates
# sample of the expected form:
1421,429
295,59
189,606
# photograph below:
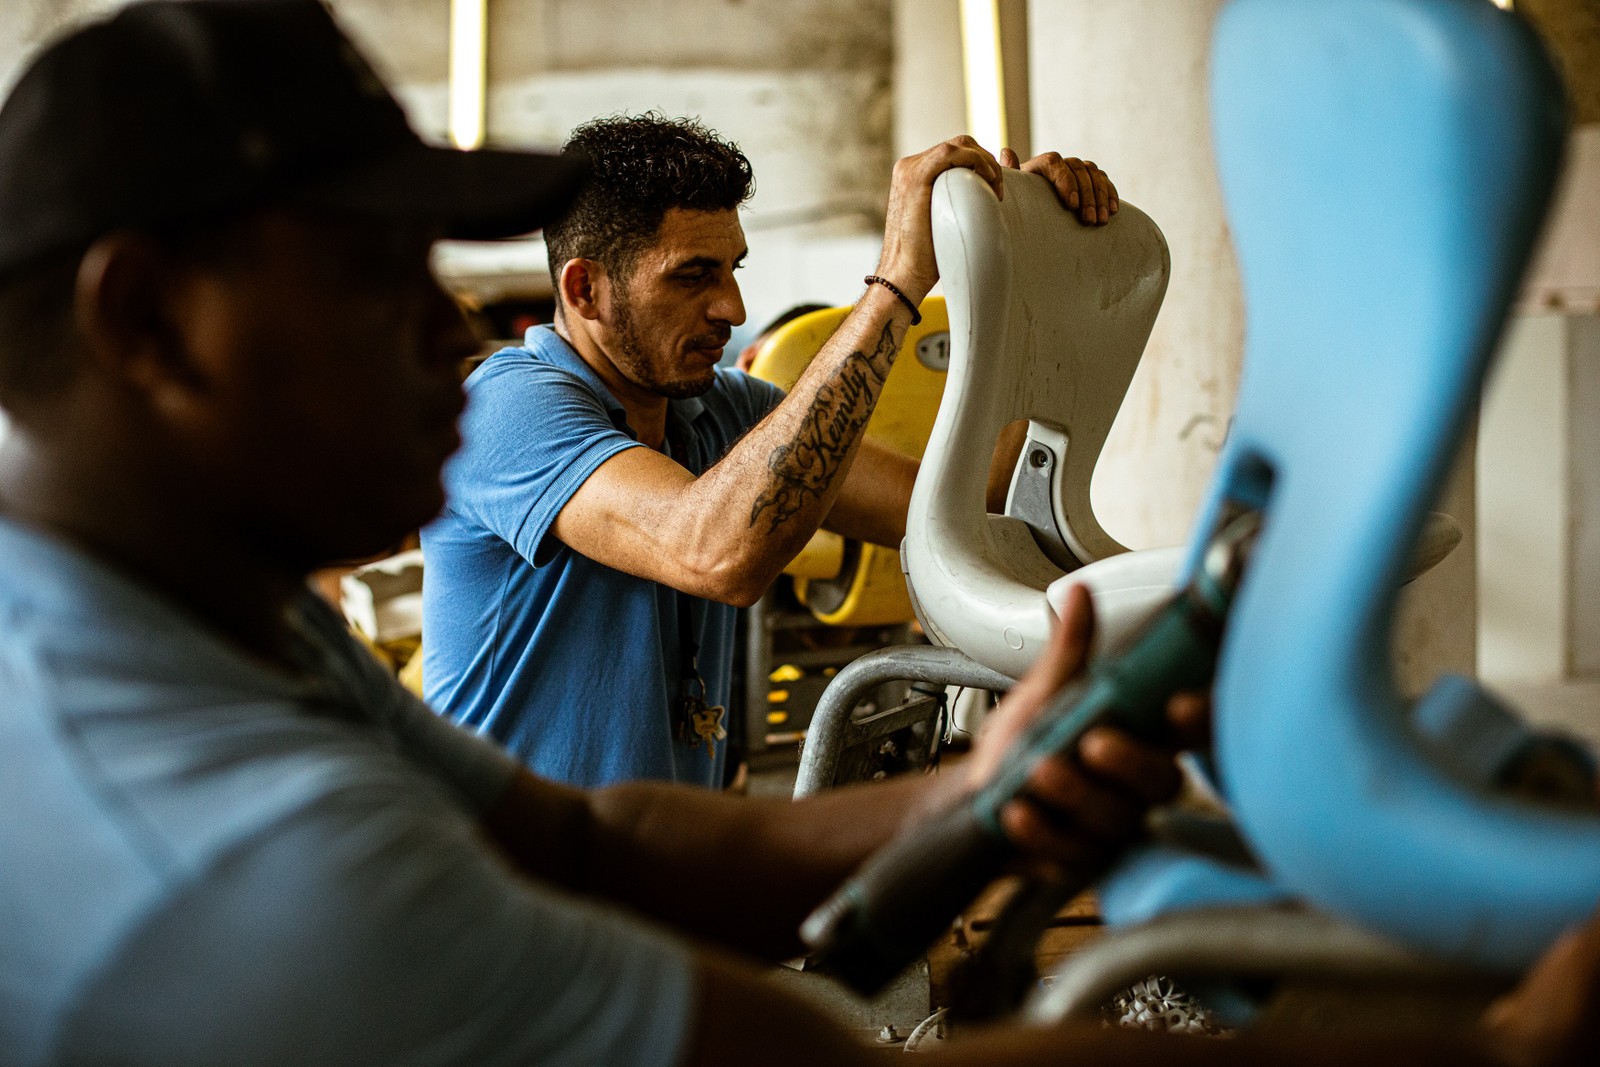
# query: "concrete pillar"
1127,86
930,102
1539,448
1572,30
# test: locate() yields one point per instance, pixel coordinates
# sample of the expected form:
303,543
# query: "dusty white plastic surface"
1048,318
383,599
1126,590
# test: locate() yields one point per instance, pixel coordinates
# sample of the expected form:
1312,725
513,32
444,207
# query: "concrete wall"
930,102
803,85
1539,447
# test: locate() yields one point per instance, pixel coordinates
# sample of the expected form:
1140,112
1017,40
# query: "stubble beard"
638,367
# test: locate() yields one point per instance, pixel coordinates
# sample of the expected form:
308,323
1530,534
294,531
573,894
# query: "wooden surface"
1074,926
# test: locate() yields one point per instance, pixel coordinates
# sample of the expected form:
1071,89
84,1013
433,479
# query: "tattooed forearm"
807,466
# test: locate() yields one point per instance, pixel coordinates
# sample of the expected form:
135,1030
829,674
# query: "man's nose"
729,304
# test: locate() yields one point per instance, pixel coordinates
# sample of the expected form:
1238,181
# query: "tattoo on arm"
805,468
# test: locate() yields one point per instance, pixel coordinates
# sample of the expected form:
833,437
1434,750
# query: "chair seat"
1125,589
1048,319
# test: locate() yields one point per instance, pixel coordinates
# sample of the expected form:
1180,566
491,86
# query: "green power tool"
906,894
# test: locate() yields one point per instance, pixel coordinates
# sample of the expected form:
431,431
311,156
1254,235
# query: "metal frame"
1233,943
834,729
764,624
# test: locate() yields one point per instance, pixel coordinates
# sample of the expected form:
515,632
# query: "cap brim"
481,195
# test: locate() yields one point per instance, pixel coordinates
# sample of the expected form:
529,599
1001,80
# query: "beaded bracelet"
873,279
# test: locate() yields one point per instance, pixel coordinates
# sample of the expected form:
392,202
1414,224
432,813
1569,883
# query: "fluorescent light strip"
469,62
980,55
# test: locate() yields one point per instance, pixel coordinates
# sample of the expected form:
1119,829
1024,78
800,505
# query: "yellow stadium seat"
849,583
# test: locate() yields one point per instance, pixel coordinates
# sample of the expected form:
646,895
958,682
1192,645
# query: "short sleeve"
376,928
532,434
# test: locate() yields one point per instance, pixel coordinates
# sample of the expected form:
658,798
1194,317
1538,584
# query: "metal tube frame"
1231,942
834,728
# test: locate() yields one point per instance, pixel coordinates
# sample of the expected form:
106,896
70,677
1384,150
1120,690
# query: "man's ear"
124,302
583,286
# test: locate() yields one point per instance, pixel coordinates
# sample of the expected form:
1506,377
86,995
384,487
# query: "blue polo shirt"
572,666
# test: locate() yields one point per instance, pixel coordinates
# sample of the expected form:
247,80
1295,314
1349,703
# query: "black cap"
174,109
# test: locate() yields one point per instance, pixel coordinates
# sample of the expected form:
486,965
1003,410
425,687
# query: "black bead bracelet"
873,279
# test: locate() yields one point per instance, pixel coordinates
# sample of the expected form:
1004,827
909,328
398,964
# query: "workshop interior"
1314,419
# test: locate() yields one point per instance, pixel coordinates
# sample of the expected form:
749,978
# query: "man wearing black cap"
226,836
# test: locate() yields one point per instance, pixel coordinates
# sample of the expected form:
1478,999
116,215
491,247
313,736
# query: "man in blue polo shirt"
618,495
551,644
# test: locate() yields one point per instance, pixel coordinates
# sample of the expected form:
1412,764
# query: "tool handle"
905,896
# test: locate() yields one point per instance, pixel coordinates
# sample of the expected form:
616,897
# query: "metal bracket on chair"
1032,500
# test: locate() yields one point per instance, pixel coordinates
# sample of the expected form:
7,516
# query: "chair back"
1048,319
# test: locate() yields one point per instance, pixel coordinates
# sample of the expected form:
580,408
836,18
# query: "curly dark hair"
642,165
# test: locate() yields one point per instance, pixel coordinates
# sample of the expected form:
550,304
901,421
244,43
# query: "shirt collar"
546,344
549,346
